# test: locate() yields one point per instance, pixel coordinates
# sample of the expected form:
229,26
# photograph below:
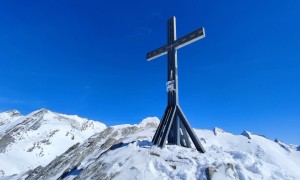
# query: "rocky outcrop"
218,131
222,171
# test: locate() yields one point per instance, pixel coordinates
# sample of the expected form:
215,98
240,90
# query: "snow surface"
255,158
132,156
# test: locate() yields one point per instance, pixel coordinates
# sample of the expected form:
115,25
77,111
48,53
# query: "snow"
43,136
149,120
258,159
234,157
228,156
7,120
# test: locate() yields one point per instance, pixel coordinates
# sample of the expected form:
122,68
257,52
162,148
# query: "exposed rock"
5,141
249,134
129,130
74,156
126,152
154,154
284,146
150,122
222,171
246,134
90,152
210,172
218,131
13,113
9,116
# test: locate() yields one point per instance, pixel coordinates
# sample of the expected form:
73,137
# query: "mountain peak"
39,137
40,111
149,122
13,113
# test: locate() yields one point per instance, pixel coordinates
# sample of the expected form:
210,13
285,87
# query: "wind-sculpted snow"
126,152
37,138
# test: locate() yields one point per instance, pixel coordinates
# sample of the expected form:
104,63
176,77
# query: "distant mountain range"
49,145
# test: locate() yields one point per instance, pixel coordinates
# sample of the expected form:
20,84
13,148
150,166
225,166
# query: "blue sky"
88,58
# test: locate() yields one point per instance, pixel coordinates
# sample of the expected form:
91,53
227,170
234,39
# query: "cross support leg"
175,129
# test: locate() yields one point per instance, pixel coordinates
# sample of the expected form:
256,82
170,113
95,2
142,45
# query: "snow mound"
149,122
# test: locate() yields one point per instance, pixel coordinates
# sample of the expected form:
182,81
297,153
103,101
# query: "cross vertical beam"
174,128
172,62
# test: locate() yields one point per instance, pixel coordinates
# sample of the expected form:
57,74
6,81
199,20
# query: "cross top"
172,42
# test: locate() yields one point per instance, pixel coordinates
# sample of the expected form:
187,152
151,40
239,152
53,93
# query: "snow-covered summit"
7,116
13,113
83,151
150,121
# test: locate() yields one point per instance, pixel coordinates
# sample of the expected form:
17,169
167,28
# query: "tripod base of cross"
175,129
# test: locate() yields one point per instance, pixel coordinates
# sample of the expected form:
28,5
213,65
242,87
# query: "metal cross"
174,128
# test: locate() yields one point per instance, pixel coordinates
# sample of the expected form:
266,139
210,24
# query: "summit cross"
174,127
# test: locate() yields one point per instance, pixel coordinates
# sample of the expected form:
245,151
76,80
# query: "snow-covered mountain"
37,138
126,152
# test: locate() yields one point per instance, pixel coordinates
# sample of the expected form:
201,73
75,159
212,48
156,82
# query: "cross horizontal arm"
157,52
179,43
189,38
